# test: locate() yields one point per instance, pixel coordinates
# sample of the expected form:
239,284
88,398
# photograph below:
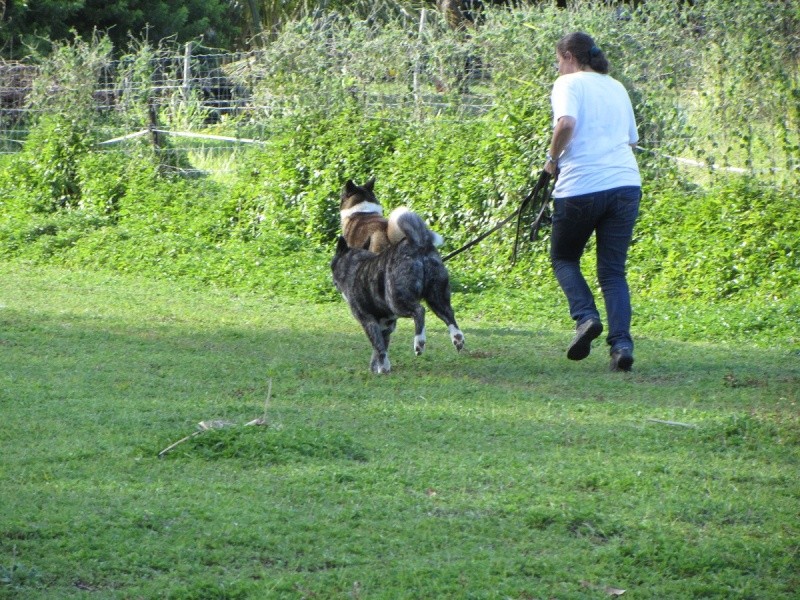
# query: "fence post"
152,113
418,63
187,72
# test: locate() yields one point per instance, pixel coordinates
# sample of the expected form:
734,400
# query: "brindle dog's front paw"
419,344
458,340
380,364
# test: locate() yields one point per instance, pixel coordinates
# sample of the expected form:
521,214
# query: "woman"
597,191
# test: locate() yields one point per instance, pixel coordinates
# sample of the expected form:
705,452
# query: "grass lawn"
505,471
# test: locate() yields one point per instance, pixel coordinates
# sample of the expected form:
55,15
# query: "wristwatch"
551,159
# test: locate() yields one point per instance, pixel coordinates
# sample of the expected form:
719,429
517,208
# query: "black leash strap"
539,197
542,188
484,235
544,212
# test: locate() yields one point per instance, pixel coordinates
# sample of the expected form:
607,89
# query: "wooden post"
418,63
187,72
152,113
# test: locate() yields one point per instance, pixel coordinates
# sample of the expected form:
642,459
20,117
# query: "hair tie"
594,51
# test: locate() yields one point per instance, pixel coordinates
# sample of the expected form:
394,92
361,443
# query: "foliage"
741,239
229,24
293,184
351,98
745,78
36,23
47,175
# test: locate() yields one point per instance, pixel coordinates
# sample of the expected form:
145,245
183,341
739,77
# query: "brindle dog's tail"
404,223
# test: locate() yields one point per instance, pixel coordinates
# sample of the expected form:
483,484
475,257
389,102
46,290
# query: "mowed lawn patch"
505,471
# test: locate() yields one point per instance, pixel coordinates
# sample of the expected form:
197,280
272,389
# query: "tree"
34,23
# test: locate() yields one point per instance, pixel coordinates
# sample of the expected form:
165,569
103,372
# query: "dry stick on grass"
171,446
206,425
203,427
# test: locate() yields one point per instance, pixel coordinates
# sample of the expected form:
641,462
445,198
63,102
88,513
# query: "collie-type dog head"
363,223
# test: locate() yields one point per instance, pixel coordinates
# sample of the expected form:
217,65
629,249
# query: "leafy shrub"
47,171
294,185
734,240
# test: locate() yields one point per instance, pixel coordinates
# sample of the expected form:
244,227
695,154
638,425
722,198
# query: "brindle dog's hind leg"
419,329
456,336
439,302
379,363
387,328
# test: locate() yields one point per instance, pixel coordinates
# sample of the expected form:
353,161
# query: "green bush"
352,109
734,241
294,184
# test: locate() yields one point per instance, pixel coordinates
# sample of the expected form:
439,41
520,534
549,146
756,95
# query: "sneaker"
582,342
621,359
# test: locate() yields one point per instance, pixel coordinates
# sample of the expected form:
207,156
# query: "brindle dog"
380,288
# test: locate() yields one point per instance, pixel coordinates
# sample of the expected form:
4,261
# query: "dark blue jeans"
610,215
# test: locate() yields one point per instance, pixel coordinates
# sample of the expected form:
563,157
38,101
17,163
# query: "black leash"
543,189
542,196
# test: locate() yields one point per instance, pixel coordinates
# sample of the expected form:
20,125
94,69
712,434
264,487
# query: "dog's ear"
341,245
350,187
370,184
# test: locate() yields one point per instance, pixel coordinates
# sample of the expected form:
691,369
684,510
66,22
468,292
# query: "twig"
673,423
204,426
263,420
171,446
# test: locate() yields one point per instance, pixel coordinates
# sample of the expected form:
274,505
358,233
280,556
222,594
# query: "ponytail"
586,52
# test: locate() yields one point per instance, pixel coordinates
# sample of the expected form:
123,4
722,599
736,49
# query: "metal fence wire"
200,79
215,88
224,102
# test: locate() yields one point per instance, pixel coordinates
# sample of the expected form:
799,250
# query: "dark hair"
582,47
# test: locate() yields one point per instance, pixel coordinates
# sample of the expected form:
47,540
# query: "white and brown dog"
363,223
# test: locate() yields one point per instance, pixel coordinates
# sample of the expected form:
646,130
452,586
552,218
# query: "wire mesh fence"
384,68
212,103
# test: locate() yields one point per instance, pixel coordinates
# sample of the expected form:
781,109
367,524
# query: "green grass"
504,472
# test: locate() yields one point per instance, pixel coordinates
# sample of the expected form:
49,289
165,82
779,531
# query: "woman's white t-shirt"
599,156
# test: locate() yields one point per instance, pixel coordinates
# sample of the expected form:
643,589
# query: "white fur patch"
419,342
361,207
398,212
456,337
